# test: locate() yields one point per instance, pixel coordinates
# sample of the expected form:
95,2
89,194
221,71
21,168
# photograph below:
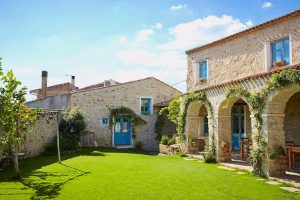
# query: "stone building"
142,96
246,60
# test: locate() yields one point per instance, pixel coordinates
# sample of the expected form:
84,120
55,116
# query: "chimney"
44,84
109,82
73,80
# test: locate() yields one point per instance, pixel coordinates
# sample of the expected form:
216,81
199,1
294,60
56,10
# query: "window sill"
278,67
202,83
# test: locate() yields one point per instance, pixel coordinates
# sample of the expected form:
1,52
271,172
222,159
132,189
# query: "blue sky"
123,40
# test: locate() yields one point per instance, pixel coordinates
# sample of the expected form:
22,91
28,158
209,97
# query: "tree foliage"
16,117
72,126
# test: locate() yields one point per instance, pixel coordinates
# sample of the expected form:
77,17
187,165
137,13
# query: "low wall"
43,133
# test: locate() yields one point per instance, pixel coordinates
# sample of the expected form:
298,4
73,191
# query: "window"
280,51
145,106
104,121
205,126
203,70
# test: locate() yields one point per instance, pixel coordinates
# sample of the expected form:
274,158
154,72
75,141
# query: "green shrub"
51,147
72,127
164,140
172,140
280,151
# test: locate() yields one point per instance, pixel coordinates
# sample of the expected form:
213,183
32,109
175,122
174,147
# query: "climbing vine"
160,121
177,111
257,102
126,112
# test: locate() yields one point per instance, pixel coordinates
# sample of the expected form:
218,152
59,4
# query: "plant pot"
279,64
278,166
226,149
164,149
202,80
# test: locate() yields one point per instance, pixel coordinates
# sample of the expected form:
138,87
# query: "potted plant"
225,146
202,80
194,141
278,63
280,161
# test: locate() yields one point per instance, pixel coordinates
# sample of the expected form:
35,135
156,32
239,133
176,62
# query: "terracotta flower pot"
226,149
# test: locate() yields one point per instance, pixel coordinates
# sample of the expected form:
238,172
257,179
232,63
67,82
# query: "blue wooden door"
237,126
122,131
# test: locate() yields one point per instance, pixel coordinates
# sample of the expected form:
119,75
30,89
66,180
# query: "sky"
121,40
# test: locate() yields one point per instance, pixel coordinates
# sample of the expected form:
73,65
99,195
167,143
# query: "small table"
291,154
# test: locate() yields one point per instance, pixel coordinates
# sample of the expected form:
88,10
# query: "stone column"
223,130
275,134
192,131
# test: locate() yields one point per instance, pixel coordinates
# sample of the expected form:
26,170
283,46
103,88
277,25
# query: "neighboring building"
141,96
246,60
46,91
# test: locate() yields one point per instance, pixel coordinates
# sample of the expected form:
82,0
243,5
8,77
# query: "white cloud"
144,35
267,4
178,7
203,30
123,40
158,26
249,23
148,58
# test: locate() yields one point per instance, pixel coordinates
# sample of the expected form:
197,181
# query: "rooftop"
247,31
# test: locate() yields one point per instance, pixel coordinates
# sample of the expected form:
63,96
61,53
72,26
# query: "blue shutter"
148,105
203,69
280,50
286,48
200,70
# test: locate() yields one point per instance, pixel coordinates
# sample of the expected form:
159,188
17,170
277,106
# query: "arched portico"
196,129
233,126
281,123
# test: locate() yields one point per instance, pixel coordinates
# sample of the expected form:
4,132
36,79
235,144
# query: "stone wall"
43,133
244,55
97,102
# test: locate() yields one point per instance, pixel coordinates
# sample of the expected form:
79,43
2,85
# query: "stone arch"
197,117
224,124
274,120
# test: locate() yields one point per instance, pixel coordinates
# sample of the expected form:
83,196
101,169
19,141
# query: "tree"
16,118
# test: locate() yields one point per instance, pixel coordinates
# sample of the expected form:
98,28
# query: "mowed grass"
111,174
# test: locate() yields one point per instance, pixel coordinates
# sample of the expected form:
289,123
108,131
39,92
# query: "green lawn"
111,174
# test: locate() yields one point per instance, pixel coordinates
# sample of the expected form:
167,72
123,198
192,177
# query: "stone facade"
243,61
97,102
44,132
244,55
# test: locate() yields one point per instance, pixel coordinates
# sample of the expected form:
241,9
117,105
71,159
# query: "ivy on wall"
160,121
177,111
126,112
257,103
